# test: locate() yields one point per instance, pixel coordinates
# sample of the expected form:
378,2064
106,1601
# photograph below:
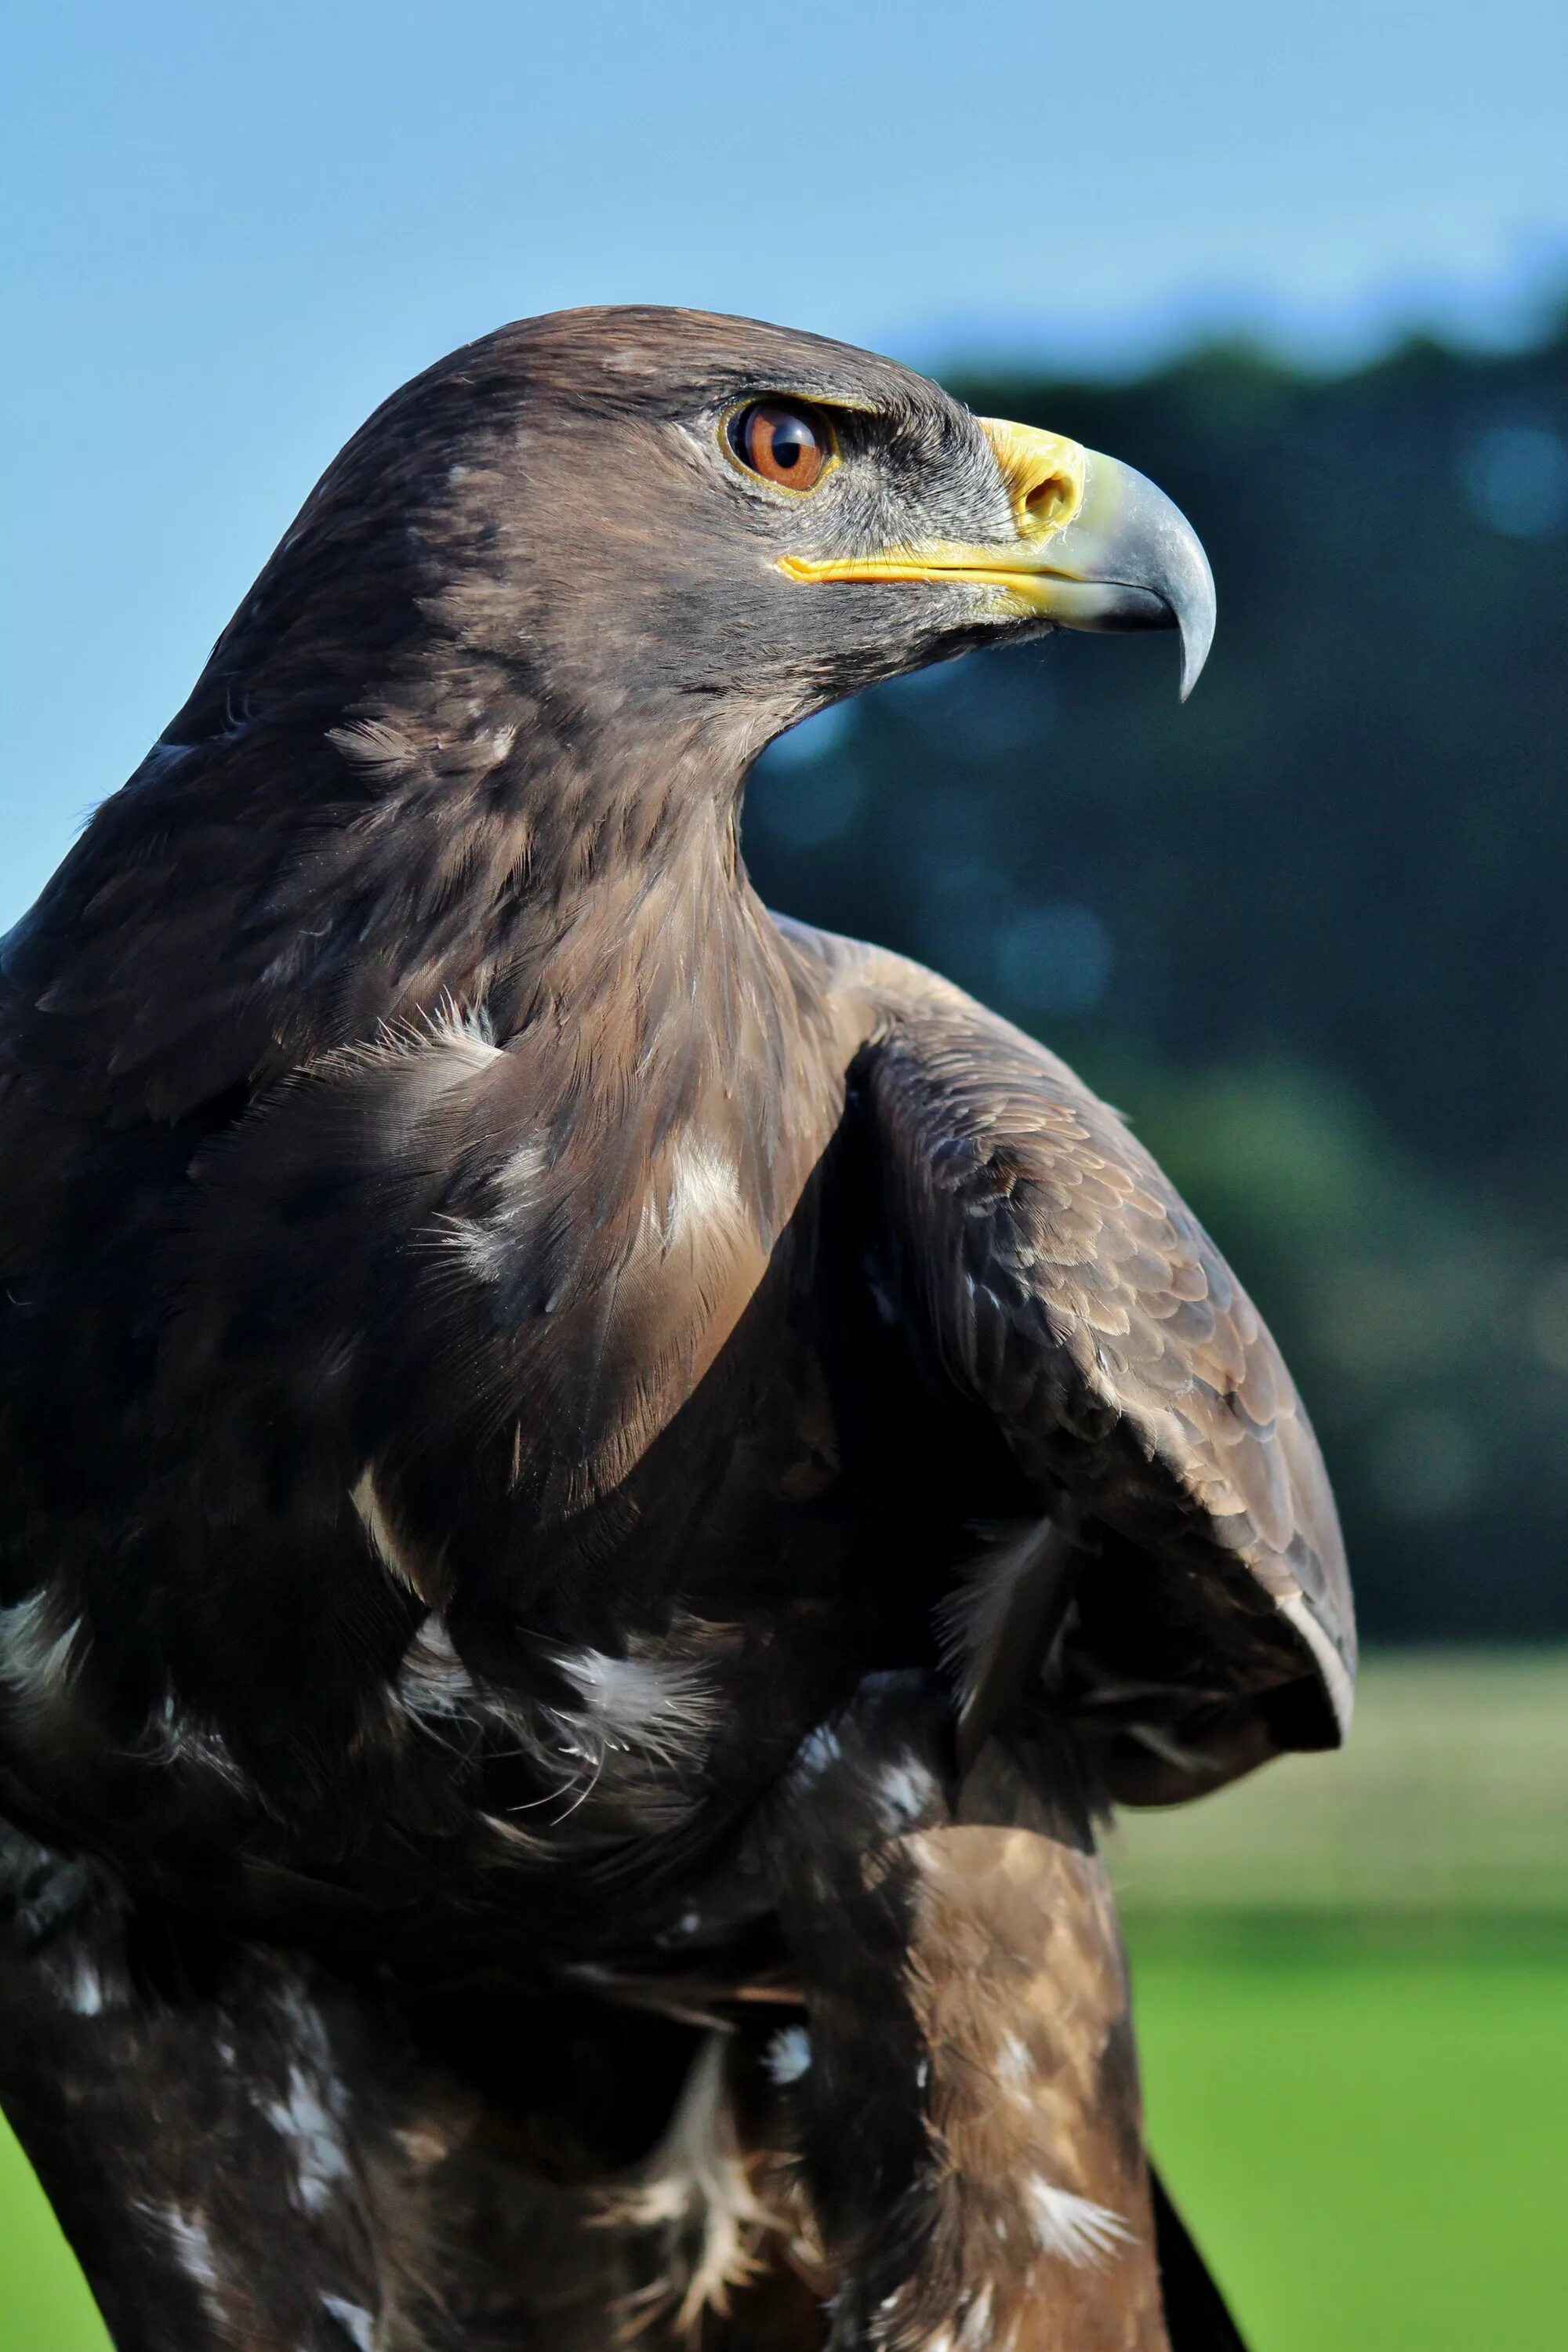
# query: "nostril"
1048,500
1043,473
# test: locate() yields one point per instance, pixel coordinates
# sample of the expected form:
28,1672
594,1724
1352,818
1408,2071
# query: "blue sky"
234,227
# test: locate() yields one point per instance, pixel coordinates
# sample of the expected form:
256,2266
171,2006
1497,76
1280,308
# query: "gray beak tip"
1195,655
1131,560
1188,589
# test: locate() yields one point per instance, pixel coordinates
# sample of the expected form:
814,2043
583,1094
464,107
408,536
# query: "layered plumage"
600,1485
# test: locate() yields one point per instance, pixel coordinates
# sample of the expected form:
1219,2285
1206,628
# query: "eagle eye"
782,441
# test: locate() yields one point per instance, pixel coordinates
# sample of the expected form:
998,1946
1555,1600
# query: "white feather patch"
305,2120
1015,2067
375,745
788,2055
353,2319
86,1994
641,1709
307,2114
975,2334
189,2241
658,1707
704,1194
385,1544
485,1245
1080,2231
694,2192
433,1679
464,1030
38,1654
908,1789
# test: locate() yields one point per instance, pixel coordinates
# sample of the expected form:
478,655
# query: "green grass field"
1370,2150
1352,1984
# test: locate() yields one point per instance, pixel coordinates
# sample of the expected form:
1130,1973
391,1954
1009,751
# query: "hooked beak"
1097,546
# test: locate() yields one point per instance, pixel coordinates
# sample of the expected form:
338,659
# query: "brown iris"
781,442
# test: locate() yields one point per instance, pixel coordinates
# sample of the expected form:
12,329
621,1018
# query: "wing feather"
1044,1264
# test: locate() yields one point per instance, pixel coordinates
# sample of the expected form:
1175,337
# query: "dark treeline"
1309,930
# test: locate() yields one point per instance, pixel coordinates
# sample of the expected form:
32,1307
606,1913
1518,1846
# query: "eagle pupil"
791,441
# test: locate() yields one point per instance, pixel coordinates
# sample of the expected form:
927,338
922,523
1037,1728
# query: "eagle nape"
604,1487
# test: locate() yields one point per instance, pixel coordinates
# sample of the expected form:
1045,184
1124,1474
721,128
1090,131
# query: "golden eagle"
600,1488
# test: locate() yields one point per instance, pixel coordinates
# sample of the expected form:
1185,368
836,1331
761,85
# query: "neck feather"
258,898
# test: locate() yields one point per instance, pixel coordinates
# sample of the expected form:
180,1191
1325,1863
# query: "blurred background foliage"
1308,931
